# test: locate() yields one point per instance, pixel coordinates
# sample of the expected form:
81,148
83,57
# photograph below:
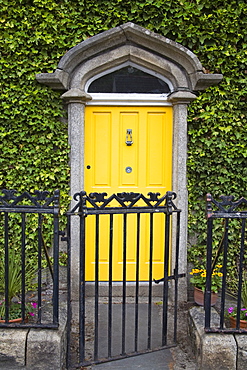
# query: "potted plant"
232,311
15,311
15,287
232,314
198,280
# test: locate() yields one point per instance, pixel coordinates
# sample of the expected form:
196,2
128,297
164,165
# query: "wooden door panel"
107,156
101,141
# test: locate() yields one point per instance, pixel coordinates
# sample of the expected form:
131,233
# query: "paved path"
159,360
165,359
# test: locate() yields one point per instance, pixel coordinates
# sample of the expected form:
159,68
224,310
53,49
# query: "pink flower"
34,304
31,313
230,309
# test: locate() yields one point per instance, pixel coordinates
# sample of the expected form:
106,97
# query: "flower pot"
199,297
233,323
16,321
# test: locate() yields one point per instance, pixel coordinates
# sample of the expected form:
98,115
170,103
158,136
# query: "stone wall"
43,349
214,350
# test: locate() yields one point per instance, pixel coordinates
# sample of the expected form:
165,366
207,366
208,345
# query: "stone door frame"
110,49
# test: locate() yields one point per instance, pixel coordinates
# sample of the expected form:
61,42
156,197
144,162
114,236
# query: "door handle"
129,141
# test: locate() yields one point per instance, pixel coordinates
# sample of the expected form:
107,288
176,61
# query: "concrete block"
218,352
213,351
241,340
12,347
46,348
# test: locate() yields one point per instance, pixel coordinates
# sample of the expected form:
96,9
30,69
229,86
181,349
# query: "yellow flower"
219,266
220,274
203,274
195,271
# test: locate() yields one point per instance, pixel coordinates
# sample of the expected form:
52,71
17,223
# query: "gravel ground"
183,354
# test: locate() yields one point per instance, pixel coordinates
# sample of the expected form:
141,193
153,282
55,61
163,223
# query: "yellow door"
112,166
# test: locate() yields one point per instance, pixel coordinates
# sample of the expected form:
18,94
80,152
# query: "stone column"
76,100
180,101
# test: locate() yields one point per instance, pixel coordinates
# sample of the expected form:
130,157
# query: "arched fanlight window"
129,80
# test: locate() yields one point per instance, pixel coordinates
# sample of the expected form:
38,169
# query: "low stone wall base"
216,351
43,349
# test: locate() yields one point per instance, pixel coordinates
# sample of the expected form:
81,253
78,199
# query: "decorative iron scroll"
40,199
226,206
126,201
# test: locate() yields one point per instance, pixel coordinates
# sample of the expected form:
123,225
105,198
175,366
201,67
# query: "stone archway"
100,53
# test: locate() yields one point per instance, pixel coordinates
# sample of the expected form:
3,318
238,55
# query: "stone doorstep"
34,348
117,289
216,351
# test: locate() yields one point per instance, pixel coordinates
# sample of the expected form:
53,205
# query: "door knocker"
129,141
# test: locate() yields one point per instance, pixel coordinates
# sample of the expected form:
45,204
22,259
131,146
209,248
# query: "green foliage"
31,239
15,275
244,290
35,34
62,259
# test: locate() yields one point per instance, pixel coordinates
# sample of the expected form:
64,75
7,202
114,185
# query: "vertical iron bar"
96,313
110,288
207,295
56,269
82,290
40,217
137,280
6,264
68,357
176,278
124,282
150,280
240,278
223,293
23,264
165,285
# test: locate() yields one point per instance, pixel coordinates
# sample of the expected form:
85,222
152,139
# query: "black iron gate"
122,319
23,254
232,216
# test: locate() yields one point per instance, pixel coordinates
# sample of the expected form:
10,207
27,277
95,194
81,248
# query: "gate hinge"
63,237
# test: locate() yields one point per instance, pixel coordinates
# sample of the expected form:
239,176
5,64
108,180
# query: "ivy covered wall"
35,34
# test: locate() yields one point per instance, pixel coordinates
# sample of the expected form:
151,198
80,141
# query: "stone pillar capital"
181,97
76,96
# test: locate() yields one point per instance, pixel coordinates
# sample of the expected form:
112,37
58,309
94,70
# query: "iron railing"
97,205
20,216
227,210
